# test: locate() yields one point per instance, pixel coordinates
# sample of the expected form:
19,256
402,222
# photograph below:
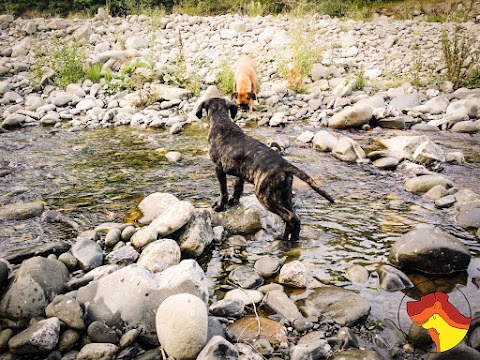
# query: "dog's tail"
302,175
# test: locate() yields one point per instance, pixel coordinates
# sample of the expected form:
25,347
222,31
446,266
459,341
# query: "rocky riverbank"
119,290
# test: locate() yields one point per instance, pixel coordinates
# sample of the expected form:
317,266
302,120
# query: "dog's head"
244,98
217,104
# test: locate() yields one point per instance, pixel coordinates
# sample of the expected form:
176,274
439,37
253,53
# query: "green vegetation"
225,78
93,72
462,64
65,60
296,67
360,81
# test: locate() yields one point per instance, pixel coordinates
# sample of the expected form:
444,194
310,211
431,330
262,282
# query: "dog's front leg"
221,204
237,192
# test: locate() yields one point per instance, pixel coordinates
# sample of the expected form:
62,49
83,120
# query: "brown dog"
245,83
240,155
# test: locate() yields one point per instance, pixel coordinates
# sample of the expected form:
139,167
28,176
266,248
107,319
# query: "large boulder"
345,307
422,184
160,255
129,297
431,250
247,217
182,326
37,282
352,116
198,233
347,149
154,205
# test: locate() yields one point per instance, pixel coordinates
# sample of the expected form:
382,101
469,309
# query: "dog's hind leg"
221,204
292,222
237,192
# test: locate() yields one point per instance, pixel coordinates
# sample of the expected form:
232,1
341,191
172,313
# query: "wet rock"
21,211
318,349
445,202
392,279
41,337
397,122
347,149
403,147
129,297
455,157
160,255
97,351
218,349
324,141
248,296
37,282
247,217
459,352
386,163
11,121
68,310
436,192
345,307
293,274
279,302
198,233
267,266
429,249
99,332
171,220
88,253
469,217
357,274
113,237
428,153
351,116
182,325
173,156
421,184
122,256
419,336
357,355
246,330
305,137
245,277
227,308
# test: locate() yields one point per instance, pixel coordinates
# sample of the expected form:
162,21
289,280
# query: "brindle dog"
240,155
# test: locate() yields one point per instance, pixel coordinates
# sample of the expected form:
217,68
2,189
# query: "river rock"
293,274
21,211
428,153
68,339
160,255
122,256
279,302
467,127
245,277
437,105
466,107
247,217
419,336
436,192
324,141
197,234
429,249
99,332
94,274
445,202
357,355
403,147
455,157
422,184
113,237
248,296
36,283
13,120
227,308
397,122
459,352
344,306
357,274
40,337
6,20
392,279
218,349
404,102
351,116
128,298
347,149
469,217
267,266
318,349
246,330
386,163
5,268
182,326
88,253
166,92
68,310
94,351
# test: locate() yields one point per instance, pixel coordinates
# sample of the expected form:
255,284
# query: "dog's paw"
233,201
218,206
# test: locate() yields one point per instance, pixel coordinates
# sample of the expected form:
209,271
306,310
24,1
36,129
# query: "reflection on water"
98,176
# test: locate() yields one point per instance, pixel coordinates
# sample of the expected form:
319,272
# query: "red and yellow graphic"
445,324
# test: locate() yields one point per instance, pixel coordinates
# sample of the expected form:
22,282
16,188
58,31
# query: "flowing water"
101,175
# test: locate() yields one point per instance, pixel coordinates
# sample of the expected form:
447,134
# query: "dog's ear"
233,110
234,96
199,112
252,95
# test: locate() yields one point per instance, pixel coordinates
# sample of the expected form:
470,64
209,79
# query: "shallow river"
99,176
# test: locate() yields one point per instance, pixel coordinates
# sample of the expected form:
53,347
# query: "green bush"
93,72
360,81
225,78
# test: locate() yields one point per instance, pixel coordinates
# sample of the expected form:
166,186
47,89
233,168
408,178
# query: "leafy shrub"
360,81
225,78
456,48
93,72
